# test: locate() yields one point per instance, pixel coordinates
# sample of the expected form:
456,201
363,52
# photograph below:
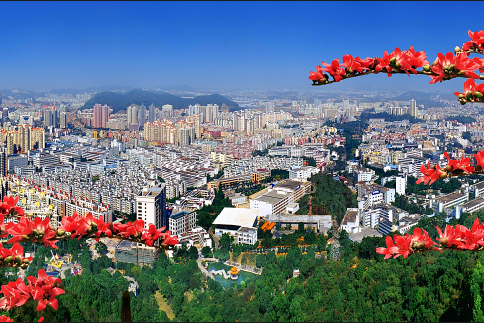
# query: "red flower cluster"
430,174
457,167
357,65
43,289
37,230
476,42
335,70
137,230
79,226
14,256
461,237
9,206
406,61
449,66
472,92
406,245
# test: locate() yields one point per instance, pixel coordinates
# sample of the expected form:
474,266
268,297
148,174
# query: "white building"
364,175
239,223
302,173
182,222
150,207
400,185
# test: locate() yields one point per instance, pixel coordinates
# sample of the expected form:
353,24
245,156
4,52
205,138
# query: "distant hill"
121,101
421,97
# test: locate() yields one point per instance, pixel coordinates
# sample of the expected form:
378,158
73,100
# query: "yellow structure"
234,273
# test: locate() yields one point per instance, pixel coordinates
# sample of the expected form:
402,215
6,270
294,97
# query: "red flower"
15,294
10,200
384,64
334,70
356,64
169,240
36,230
471,87
477,40
446,239
4,318
152,235
46,295
318,75
76,225
390,251
449,66
430,175
130,229
480,159
463,164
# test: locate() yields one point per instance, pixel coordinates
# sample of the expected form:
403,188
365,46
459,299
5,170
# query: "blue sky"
218,45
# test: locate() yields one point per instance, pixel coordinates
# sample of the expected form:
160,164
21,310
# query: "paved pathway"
202,269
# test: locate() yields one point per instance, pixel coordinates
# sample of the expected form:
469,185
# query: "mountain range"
120,102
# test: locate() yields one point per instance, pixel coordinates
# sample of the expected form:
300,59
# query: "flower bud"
448,168
443,241
478,95
461,96
457,49
137,235
36,232
478,168
469,95
89,230
443,175
426,68
24,266
393,61
18,260
8,260
398,65
94,226
26,261
60,232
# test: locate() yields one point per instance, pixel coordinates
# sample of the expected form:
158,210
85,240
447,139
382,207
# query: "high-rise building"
100,116
152,113
151,207
269,107
63,120
142,116
346,103
3,163
400,185
413,108
132,113
48,117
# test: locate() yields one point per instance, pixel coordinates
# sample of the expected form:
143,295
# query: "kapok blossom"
430,174
37,230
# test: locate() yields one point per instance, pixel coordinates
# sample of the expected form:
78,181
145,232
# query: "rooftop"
237,216
473,203
449,197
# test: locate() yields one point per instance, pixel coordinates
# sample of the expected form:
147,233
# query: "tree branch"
315,83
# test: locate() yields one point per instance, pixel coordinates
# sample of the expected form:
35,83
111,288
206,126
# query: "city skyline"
208,45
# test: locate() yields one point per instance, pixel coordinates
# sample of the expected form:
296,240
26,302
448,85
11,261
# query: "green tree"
206,251
101,248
